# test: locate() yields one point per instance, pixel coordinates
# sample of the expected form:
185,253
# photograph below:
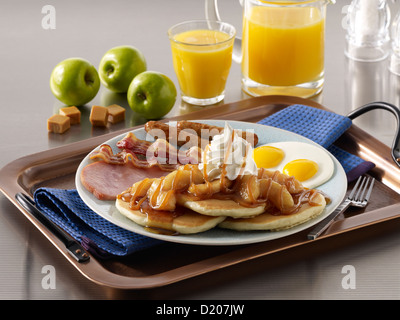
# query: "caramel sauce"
160,219
269,188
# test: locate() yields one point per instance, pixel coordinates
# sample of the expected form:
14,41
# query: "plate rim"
193,239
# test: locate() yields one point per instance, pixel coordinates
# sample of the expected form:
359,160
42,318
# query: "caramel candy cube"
73,113
58,123
98,116
116,113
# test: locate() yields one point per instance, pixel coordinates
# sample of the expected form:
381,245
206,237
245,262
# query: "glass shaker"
395,57
368,35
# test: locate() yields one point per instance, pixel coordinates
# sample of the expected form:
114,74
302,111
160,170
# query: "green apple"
119,66
74,81
151,94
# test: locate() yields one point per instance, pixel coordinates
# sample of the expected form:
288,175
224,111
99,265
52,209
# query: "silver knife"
73,247
324,224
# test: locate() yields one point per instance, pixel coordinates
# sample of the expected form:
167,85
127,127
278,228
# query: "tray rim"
92,269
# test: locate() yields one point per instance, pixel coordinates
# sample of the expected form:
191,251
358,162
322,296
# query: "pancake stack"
184,202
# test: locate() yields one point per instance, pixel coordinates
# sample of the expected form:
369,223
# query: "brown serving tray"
170,263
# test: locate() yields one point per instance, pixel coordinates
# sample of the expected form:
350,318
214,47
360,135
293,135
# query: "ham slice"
107,180
112,173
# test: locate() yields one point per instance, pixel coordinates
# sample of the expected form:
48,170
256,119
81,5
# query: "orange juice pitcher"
282,46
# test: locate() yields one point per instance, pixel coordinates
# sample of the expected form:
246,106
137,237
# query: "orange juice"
283,46
202,59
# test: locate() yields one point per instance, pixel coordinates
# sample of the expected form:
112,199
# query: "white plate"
335,188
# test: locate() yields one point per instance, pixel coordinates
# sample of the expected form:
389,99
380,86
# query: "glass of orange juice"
202,58
283,47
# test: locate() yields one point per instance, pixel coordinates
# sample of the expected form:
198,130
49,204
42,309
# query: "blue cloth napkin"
97,235
104,239
323,127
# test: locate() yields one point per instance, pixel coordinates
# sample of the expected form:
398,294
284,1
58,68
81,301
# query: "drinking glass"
202,58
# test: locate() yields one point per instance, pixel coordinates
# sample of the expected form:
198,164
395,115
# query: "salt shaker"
395,57
368,35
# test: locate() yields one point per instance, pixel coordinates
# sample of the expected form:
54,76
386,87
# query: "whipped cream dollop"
228,151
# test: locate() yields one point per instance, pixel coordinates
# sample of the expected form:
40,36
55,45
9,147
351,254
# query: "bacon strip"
144,154
132,143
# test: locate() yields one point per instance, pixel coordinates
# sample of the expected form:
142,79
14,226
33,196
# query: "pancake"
218,207
186,222
267,221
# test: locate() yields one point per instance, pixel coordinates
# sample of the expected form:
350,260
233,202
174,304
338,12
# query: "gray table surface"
88,29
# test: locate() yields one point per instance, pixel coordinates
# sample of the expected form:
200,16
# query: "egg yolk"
267,156
301,169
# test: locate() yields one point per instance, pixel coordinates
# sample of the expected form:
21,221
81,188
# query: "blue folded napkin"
104,239
100,237
323,127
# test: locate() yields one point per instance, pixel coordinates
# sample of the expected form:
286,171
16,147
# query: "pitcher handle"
212,13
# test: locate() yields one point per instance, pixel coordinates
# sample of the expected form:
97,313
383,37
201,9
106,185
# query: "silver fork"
358,197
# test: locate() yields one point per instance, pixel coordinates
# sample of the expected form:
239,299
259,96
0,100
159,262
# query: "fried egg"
309,164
